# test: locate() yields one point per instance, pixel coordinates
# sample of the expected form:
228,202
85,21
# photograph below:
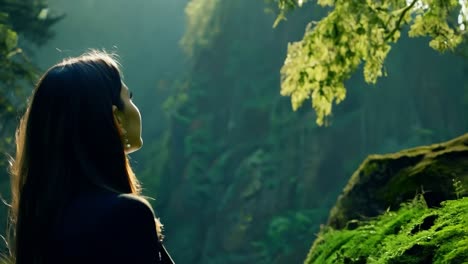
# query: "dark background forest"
236,175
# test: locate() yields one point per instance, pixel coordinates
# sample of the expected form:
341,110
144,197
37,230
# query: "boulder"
383,182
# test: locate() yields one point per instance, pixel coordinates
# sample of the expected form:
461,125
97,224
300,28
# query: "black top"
106,227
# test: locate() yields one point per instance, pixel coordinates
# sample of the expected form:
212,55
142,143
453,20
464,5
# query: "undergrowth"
413,234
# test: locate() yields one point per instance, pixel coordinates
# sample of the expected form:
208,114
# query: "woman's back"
107,227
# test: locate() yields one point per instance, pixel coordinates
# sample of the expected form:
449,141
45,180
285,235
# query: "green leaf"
11,40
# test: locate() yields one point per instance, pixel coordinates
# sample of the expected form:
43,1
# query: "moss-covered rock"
413,234
383,182
373,222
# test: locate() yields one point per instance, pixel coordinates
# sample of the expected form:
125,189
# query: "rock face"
383,182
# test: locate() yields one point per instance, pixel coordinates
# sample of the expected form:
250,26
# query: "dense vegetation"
258,178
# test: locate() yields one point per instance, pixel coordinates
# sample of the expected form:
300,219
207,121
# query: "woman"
75,198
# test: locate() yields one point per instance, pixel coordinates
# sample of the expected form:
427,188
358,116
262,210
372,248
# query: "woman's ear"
118,119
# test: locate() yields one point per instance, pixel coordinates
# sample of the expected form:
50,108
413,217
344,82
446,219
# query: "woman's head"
89,88
74,136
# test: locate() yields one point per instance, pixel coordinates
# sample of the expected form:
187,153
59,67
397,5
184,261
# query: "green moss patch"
413,234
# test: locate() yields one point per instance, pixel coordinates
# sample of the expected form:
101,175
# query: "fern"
458,188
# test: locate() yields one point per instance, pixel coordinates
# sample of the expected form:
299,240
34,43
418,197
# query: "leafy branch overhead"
356,32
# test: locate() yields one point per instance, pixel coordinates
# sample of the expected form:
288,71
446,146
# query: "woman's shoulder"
107,201
116,202
132,201
101,211
130,207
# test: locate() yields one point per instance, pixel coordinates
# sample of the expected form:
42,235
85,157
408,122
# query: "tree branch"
398,24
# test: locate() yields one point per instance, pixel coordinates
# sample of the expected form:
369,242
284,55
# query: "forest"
275,131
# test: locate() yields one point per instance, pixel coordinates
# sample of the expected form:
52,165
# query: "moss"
413,234
370,168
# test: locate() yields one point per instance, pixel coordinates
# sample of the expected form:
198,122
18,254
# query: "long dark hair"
67,143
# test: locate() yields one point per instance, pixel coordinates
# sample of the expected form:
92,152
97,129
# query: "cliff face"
406,207
383,182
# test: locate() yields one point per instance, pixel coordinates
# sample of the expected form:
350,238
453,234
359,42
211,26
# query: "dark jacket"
105,227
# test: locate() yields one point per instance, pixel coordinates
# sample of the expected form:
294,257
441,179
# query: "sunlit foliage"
356,32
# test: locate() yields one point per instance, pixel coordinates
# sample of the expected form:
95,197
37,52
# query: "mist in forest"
236,175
